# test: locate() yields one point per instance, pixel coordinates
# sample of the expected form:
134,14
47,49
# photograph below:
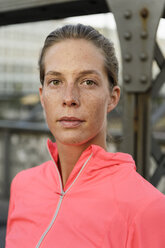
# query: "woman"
84,197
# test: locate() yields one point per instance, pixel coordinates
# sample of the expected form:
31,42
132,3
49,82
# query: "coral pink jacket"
105,204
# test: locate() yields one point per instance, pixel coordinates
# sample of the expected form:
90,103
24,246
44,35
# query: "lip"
70,121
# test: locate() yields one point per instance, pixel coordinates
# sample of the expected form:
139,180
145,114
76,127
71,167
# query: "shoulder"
135,195
130,184
25,177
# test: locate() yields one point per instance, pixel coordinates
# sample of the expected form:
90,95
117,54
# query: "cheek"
51,98
49,102
98,108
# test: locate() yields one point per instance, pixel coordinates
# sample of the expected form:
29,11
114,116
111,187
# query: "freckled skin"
72,96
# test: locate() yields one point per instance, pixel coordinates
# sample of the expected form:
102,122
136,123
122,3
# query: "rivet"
127,14
143,56
127,78
127,57
127,35
144,34
143,79
144,13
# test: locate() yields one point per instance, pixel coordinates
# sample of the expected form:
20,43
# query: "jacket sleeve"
148,227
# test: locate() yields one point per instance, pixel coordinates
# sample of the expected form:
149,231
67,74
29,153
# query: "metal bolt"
127,57
127,35
144,34
143,79
127,14
143,57
127,78
144,13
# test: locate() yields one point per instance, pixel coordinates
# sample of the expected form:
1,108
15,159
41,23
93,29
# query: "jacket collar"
102,156
95,159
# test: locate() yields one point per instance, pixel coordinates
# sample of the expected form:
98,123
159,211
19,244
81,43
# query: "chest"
83,217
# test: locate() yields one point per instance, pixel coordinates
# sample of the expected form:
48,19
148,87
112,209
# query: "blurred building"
19,51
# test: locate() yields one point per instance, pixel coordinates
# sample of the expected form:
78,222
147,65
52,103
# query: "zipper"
52,221
60,200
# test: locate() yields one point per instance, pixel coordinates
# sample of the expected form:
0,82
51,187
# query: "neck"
69,155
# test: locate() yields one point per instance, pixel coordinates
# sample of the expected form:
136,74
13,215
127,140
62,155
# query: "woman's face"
76,95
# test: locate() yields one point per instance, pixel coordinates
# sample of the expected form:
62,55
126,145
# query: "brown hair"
88,33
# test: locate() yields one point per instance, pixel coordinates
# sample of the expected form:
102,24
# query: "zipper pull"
62,194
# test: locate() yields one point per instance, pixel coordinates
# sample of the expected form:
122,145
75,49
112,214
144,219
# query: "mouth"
70,122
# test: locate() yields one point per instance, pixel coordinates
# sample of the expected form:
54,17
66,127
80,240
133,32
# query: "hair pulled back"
88,33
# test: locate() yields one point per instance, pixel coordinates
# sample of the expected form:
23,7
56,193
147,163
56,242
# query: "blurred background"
23,131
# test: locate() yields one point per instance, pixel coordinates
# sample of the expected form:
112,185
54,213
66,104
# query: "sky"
100,20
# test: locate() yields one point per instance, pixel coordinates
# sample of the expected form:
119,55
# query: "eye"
89,82
55,82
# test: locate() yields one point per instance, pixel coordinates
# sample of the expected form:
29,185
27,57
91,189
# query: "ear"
114,97
41,96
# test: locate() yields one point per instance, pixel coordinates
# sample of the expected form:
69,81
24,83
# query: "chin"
76,140
71,141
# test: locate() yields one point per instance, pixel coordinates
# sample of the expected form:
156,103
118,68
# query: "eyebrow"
53,73
81,73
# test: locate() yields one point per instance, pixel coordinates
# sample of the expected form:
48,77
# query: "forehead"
73,54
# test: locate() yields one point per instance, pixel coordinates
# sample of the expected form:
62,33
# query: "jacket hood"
100,157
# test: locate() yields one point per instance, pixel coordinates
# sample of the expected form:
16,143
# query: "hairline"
75,38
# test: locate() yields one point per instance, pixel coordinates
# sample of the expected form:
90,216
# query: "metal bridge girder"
137,23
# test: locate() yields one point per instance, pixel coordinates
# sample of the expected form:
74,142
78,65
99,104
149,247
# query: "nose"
71,96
